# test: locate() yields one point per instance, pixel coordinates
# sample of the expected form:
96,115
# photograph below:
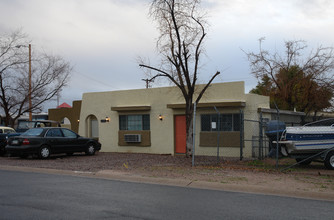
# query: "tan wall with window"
166,101
226,139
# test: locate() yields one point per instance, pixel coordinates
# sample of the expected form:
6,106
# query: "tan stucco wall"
226,139
162,132
253,103
73,114
145,138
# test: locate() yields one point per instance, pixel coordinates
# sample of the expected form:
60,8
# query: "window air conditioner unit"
132,138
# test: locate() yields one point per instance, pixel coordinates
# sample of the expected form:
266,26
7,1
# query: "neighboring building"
319,116
152,120
64,105
290,118
67,115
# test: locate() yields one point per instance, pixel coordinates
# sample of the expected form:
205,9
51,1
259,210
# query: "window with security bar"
134,122
227,122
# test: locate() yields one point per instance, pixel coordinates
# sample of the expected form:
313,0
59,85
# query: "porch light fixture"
107,119
161,117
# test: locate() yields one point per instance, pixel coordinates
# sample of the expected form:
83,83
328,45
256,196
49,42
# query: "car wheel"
304,163
90,149
44,152
329,161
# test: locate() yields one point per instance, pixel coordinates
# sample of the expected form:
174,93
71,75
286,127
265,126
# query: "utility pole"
57,100
147,81
30,103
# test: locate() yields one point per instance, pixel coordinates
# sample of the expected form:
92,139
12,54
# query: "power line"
95,80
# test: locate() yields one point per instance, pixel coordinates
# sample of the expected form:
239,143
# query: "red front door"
180,134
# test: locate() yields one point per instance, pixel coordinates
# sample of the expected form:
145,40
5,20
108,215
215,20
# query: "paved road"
26,195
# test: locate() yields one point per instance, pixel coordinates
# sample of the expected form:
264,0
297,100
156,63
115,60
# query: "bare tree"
180,45
317,67
49,75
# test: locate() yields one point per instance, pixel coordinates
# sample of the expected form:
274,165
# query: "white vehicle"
4,133
6,130
315,139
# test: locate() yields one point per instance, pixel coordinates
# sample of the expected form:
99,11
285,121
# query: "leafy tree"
293,82
49,74
182,29
264,87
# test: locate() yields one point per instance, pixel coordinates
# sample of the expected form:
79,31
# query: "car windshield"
324,122
33,132
9,131
26,124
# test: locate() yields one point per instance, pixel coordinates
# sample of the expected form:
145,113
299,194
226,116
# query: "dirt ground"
312,181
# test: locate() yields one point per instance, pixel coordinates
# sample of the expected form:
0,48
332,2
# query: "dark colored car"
5,132
46,141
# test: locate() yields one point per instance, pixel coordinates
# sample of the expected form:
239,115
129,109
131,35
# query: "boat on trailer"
310,142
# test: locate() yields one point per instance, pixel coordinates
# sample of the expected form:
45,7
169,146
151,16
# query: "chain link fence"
237,136
232,137
220,138
256,139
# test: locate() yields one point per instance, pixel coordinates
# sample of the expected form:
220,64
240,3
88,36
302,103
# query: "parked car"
6,130
50,140
4,133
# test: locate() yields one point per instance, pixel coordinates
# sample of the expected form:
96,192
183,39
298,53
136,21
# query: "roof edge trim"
131,108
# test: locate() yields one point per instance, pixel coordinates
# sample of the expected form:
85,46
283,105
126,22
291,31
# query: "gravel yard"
260,176
100,161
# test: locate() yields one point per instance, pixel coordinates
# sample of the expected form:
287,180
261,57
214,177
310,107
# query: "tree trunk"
315,116
190,139
8,120
189,127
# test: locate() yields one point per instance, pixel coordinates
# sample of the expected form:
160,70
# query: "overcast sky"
103,39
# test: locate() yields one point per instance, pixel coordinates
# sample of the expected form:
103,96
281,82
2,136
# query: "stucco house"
152,120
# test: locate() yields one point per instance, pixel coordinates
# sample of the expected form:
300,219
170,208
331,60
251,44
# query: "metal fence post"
277,136
241,133
218,133
260,137
194,132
